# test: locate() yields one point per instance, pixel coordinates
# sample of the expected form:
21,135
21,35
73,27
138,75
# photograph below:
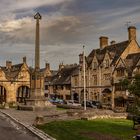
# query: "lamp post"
84,70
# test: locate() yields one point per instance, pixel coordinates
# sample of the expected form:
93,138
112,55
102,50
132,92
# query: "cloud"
21,4
65,27
14,25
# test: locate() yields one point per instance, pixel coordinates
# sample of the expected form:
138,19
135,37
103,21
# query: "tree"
124,83
134,89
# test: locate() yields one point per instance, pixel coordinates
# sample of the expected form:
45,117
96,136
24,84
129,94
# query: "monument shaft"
37,45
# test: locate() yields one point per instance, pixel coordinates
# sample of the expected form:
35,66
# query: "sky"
66,26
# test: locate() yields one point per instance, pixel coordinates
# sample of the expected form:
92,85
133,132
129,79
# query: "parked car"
57,101
89,104
97,103
72,102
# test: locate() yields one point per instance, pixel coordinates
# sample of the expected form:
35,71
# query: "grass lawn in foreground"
99,129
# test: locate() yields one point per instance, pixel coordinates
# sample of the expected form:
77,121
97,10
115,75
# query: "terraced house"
105,67
58,84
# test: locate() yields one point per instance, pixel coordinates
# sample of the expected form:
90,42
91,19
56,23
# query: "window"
107,76
67,87
119,87
94,79
46,87
106,63
120,72
94,65
138,69
76,81
62,87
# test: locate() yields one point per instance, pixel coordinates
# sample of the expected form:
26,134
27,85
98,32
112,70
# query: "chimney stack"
61,66
8,64
24,59
132,33
47,66
103,42
81,59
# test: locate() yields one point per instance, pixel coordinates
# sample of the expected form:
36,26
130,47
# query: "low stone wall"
68,106
77,114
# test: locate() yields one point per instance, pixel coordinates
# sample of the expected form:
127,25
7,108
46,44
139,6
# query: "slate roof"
114,50
134,58
63,77
12,73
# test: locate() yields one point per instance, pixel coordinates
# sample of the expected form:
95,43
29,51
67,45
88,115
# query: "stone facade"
105,67
58,83
14,82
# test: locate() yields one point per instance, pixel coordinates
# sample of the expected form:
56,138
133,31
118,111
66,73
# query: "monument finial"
37,16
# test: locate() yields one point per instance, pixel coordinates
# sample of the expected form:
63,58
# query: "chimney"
132,33
61,66
47,66
24,59
112,42
103,42
81,58
8,64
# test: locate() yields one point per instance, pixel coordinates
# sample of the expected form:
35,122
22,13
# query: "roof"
12,73
133,58
63,77
114,50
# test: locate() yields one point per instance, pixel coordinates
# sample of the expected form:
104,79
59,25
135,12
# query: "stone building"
58,84
14,82
105,67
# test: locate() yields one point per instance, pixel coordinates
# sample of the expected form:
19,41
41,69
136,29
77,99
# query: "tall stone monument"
37,100
37,79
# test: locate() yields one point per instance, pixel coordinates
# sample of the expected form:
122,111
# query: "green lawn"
107,129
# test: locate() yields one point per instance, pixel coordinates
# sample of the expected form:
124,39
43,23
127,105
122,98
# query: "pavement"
26,119
11,131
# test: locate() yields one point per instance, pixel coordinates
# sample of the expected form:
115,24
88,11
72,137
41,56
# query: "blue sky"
66,26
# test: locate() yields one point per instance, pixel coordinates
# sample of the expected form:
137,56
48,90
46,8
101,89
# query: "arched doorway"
2,94
82,95
75,97
23,93
106,95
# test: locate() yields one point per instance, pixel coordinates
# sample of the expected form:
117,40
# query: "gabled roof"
63,77
12,73
134,58
121,67
115,51
130,62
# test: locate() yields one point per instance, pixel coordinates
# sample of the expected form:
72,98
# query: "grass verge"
99,129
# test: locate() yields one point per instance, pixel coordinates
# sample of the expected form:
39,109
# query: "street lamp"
84,69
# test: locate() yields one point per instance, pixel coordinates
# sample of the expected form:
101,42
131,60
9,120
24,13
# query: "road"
11,131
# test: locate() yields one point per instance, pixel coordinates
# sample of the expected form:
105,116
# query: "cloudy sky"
66,26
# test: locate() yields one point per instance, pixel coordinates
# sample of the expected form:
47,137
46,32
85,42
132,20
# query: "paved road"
11,131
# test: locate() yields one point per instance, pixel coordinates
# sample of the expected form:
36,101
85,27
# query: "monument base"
36,104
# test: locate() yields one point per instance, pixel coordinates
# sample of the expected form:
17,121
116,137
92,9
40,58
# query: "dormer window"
106,63
94,65
120,72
